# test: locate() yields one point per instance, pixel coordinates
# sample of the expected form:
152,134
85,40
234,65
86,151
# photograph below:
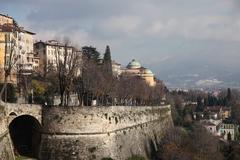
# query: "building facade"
5,19
212,125
116,69
229,131
16,46
134,68
217,112
27,63
50,52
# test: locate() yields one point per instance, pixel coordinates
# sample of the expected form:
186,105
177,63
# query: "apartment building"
5,19
48,53
18,42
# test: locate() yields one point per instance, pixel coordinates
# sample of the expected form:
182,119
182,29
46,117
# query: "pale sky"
168,36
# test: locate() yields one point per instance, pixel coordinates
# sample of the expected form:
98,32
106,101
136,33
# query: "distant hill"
200,75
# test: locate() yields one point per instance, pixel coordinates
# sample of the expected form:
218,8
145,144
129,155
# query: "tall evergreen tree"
229,97
229,94
107,54
107,60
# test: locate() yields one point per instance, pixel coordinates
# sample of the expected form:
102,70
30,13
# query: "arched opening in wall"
229,136
25,135
12,114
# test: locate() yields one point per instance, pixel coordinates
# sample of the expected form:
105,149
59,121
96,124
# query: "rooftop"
115,63
148,71
12,27
54,43
134,64
7,16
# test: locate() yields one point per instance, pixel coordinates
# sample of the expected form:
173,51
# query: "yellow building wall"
13,77
2,48
2,51
150,80
4,20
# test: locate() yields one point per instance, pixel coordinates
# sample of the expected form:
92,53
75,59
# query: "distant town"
23,58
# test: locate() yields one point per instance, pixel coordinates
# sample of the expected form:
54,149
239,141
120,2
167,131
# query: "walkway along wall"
86,133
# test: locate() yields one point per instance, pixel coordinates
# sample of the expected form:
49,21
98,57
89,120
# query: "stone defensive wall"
88,133
6,151
13,110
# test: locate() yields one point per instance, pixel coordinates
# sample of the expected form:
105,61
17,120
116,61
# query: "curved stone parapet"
96,132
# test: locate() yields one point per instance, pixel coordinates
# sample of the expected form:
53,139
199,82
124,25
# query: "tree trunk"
4,87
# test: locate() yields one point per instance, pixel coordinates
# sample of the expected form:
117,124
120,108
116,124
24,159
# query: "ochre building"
134,68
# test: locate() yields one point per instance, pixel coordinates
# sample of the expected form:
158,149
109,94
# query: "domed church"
134,68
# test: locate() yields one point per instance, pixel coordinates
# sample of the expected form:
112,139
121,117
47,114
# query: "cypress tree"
107,54
107,60
229,94
229,97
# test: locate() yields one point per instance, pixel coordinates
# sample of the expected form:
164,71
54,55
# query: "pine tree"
91,53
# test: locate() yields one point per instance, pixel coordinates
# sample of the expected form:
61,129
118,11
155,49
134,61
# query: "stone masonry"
88,133
8,112
118,132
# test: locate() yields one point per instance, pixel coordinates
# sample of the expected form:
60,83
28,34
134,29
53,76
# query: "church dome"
148,71
134,64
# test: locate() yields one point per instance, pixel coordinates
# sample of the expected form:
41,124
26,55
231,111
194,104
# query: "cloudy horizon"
170,37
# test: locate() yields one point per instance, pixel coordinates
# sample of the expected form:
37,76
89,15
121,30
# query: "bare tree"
10,59
196,144
24,86
68,63
96,84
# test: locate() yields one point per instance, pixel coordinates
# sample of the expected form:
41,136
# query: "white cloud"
153,31
200,27
121,24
